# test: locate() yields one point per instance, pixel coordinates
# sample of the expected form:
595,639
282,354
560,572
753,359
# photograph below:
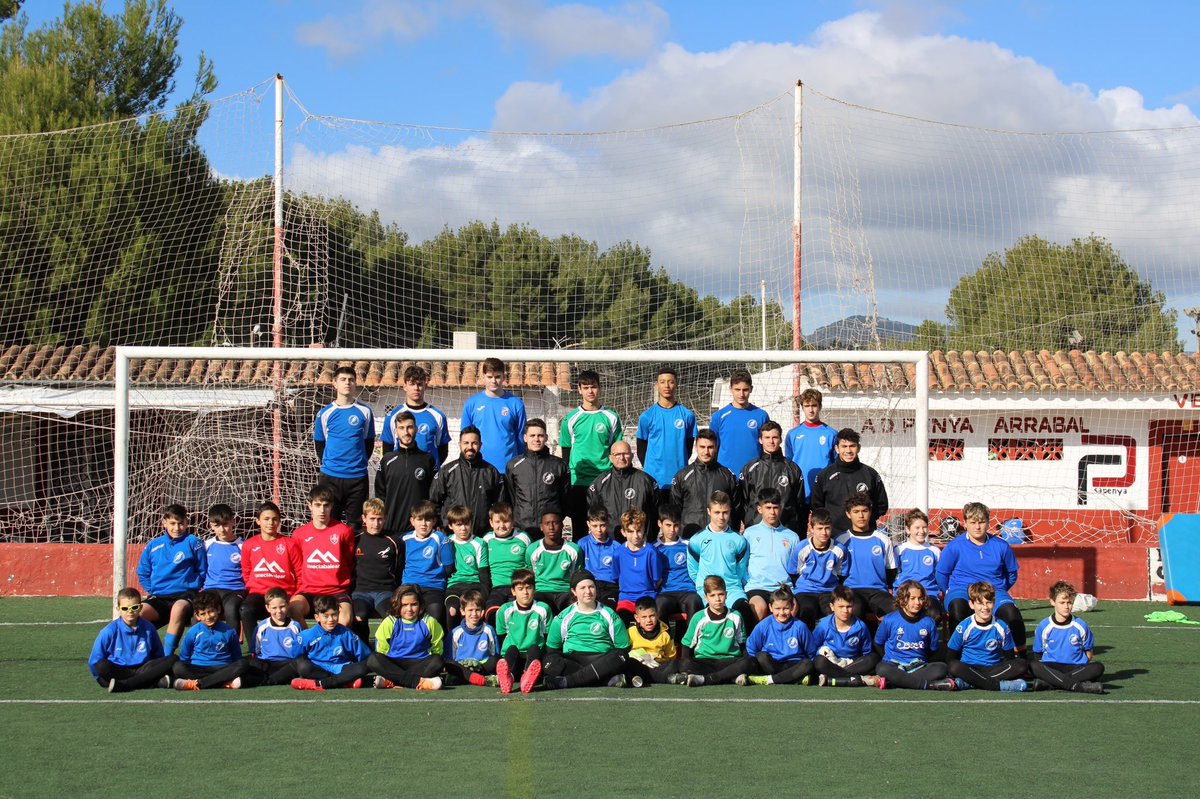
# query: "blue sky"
534,65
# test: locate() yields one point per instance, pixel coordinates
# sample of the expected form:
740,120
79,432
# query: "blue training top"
665,431
345,431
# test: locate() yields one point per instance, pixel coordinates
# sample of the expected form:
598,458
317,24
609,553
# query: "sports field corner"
66,737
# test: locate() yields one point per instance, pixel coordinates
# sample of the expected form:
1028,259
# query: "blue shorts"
1002,597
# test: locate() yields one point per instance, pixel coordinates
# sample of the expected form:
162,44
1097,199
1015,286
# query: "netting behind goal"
200,429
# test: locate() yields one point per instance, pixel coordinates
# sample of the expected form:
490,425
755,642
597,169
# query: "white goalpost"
628,386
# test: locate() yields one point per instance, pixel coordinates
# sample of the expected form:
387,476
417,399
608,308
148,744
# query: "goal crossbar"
123,356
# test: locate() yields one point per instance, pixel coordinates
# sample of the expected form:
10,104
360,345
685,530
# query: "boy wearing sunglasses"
128,654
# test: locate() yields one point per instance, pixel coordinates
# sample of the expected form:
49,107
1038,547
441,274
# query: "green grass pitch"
65,737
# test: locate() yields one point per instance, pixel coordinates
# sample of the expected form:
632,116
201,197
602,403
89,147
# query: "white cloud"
562,32
905,206
348,33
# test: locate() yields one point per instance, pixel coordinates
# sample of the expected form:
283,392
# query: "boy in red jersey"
268,561
325,559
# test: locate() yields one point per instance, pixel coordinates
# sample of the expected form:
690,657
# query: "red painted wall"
1115,572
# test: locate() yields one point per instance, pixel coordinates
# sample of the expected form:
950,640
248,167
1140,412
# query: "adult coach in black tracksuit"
468,480
405,476
536,482
845,476
773,470
621,488
694,484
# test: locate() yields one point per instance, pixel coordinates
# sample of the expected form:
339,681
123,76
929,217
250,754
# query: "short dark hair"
769,425
129,593
404,416
207,600
493,366
708,434
273,594
220,514
645,603
598,513
536,422
842,592
501,509
588,377
670,513
324,604
469,430
740,376
720,498
321,492
811,395
666,370
849,434
522,577
267,505
859,499
176,512
472,596
415,374
821,516
457,514
769,496
425,509
345,370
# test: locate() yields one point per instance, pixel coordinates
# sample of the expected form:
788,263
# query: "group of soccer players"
469,570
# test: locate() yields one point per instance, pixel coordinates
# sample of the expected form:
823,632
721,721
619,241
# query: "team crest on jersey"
179,557
504,411
1074,639
419,474
728,632
607,561
752,424
924,633
784,481
333,538
141,646
548,478
482,645
927,560
287,642
427,552
861,487
877,550
564,565
829,565
596,628
852,640
792,642
630,493
515,549
281,547
534,623
991,645
355,421
469,560
601,428
680,558
236,557
822,440
337,652
423,429
678,424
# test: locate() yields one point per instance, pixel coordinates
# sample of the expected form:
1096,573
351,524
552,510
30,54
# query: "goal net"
195,425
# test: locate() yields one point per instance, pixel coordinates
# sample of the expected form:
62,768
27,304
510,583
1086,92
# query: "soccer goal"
198,426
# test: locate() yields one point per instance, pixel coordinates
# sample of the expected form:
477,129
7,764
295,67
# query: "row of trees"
120,232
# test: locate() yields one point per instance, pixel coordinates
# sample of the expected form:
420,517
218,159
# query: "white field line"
652,700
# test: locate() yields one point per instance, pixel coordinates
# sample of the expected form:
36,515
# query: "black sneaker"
1087,687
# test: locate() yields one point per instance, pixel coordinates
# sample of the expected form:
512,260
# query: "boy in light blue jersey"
499,416
844,655
127,654
917,559
738,423
276,642
665,433
224,554
331,655
981,648
979,556
431,425
1065,645
638,568
811,444
717,550
428,560
678,596
600,556
210,655
772,546
870,559
408,645
472,650
171,570
816,568
781,645
344,438
909,637
712,650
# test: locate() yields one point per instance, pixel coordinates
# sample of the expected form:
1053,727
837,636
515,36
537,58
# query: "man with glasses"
621,488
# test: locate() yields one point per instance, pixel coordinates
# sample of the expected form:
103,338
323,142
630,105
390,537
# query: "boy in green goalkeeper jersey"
712,649
522,625
585,435
587,642
507,551
552,561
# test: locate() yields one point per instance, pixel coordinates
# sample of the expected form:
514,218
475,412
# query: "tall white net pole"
120,473
797,180
277,300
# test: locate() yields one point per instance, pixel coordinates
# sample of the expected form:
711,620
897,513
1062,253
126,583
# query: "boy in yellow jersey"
652,657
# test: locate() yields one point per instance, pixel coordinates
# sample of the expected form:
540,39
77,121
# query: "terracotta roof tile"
950,372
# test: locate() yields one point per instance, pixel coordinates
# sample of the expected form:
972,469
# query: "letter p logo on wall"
1087,461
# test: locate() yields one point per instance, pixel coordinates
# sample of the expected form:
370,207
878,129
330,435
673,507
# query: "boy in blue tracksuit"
600,556
678,593
844,655
472,648
276,642
127,654
171,571
975,557
771,548
331,655
210,655
817,567
1065,645
781,644
870,559
428,559
224,554
981,650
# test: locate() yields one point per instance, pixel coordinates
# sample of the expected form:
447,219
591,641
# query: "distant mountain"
854,333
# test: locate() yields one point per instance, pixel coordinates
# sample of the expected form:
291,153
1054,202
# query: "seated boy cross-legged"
408,648
210,654
844,655
331,655
711,651
127,654
981,648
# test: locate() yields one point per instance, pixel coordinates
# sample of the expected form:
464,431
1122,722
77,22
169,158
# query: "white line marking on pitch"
51,623
198,702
